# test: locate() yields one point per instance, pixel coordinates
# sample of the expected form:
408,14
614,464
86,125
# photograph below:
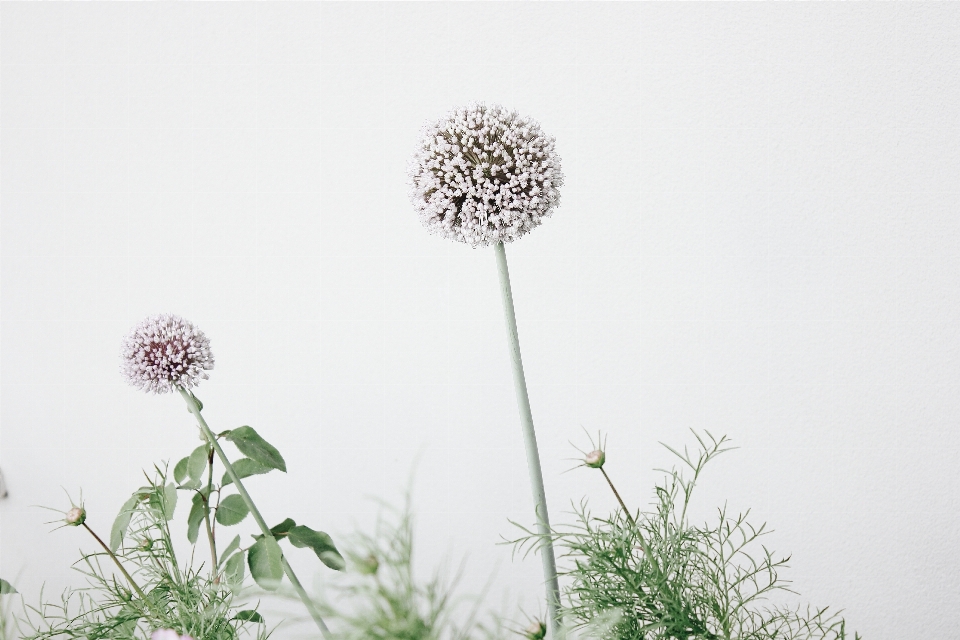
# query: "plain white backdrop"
759,236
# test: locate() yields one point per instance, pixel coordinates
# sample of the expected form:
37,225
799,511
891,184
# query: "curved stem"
643,543
133,583
619,499
194,408
530,443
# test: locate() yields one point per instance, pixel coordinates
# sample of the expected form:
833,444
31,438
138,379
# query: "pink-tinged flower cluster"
483,175
163,352
168,634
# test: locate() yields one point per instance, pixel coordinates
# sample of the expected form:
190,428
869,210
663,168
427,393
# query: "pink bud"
76,516
595,459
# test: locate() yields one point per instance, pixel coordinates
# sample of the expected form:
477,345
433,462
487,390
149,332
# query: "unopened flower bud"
76,516
595,459
536,631
146,544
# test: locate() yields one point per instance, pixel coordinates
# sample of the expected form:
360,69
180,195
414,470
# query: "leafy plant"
379,598
212,506
656,576
155,590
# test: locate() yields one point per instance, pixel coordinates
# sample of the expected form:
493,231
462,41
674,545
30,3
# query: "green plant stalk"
214,567
133,583
287,569
619,499
530,442
643,543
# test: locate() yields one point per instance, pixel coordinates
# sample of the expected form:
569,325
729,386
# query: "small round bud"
369,565
536,631
76,516
146,544
595,459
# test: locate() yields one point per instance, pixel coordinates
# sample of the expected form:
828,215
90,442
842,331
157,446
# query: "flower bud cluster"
484,175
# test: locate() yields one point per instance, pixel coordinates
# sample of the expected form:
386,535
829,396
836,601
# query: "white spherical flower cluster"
483,175
163,352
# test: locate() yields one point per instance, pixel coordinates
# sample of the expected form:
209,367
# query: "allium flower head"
483,175
165,351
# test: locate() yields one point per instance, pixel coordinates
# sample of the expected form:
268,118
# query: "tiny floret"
164,352
595,459
76,516
484,175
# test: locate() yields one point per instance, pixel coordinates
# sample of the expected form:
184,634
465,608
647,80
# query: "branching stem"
194,408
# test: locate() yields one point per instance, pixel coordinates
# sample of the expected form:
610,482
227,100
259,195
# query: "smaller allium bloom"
164,352
168,634
484,175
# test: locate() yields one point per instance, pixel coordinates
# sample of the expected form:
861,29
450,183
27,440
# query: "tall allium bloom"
164,352
484,175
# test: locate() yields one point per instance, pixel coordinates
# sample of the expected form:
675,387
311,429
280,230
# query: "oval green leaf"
233,570
195,518
233,546
180,471
249,615
253,446
6,587
232,510
197,462
265,566
123,521
245,467
320,542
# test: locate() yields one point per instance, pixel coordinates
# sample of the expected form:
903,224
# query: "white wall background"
759,236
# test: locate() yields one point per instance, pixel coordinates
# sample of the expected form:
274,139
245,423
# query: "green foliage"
232,511
191,601
265,563
256,448
656,576
380,599
244,468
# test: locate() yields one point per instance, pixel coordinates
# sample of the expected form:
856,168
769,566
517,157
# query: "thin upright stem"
643,543
214,568
530,443
194,408
133,583
619,499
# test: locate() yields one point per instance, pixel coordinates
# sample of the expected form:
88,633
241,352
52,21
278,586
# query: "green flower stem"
116,560
194,408
214,567
530,443
643,543
619,499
